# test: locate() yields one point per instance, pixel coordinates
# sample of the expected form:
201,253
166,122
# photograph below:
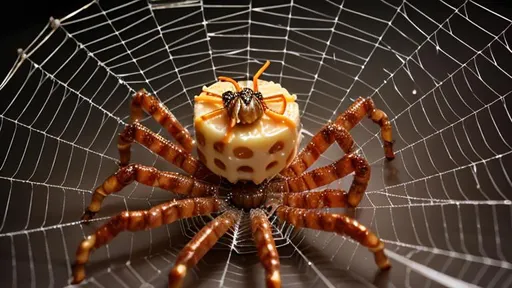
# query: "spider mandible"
286,190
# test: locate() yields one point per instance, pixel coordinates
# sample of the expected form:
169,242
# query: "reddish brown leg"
339,131
330,133
267,251
156,143
143,100
366,107
332,198
140,220
177,183
340,224
339,169
199,245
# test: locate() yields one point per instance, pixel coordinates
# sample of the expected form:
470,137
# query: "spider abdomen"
247,195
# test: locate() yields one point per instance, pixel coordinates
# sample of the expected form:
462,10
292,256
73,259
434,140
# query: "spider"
227,115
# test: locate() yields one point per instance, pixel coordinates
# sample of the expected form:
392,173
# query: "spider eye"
246,95
227,97
258,95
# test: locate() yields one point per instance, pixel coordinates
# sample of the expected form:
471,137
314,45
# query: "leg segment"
156,143
340,224
140,220
339,131
339,169
143,100
267,251
332,198
199,245
150,176
330,133
366,107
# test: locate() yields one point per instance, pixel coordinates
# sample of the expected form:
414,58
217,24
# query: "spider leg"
208,99
162,214
150,176
280,118
162,147
274,99
267,251
199,245
331,198
144,101
324,175
232,81
366,107
338,223
330,133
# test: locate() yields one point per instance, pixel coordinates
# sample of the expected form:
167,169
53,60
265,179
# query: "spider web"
440,71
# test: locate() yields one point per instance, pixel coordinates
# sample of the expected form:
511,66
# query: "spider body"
244,107
266,173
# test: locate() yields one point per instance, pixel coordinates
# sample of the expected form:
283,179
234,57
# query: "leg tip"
78,274
388,150
386,266
176,276
88,215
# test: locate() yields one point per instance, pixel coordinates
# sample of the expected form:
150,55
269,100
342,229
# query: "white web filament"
442,73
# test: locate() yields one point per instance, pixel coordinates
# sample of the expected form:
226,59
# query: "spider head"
244,106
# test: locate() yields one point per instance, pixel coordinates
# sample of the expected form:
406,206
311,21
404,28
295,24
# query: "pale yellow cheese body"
254,152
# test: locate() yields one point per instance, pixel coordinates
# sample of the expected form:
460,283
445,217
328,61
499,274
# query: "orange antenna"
258,74
232,81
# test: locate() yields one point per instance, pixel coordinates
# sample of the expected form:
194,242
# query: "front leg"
150,176
338,131
338,223
162,147
142,100
324,175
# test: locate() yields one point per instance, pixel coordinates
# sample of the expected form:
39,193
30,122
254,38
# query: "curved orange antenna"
212,114
232,81
212,94
229,131
277,98
258,74
208,99
278,117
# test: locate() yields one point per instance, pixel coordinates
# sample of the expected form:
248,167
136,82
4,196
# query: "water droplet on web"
414,92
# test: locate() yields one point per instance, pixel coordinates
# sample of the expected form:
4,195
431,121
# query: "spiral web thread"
440,71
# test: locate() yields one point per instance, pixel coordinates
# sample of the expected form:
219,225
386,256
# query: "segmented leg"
366,107
333,198
143,100
339,169
140,220
267,251
338,223
339,131
162,147
330,133
174,182
199,245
